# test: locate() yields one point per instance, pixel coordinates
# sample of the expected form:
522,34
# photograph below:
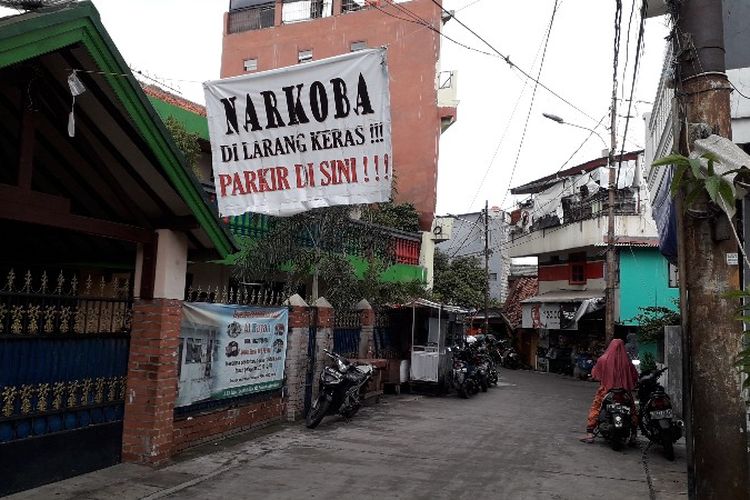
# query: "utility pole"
715,414
486,267
609,318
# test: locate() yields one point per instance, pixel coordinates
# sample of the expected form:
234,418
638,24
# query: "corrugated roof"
565,296
545,182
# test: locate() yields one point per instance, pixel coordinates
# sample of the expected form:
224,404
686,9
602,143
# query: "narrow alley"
518,441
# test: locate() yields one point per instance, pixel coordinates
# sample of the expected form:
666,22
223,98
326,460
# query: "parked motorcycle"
509,356
656,419
492,374
615,420
462,379
481,371
584,364
341,388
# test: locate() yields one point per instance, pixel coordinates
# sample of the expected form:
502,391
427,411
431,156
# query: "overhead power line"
509,121
638,47
531,104
513,65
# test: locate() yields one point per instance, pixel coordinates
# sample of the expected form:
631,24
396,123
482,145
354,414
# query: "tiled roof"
175,100
521,289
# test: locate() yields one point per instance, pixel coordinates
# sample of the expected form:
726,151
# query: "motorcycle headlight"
342,366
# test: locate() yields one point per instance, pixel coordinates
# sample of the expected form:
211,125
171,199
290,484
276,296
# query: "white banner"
313,135
230,350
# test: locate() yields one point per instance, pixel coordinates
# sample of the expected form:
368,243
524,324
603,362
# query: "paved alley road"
518,441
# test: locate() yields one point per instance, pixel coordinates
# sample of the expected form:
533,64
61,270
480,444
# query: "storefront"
567,323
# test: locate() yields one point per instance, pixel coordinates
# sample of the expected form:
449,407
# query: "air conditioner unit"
442,228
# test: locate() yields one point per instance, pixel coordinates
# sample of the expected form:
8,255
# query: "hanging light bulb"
76,88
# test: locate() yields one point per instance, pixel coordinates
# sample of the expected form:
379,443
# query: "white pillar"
171,265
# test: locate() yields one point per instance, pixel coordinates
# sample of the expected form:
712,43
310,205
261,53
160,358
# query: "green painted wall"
192,122
644,281
397,273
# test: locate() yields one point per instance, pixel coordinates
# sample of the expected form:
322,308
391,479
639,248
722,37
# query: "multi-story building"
660,125
266,34
466,238
564,224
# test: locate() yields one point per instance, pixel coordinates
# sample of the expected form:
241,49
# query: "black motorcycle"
509,356
655,413
462,380
615,418
341,388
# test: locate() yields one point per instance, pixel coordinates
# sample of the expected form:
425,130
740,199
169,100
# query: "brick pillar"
295,368
277,13
367,329
323,339
148,423
152,381
336,8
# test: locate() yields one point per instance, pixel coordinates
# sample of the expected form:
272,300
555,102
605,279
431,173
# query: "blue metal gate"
64,354
346,333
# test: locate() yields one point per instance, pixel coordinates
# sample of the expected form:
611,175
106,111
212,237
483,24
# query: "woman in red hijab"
613,370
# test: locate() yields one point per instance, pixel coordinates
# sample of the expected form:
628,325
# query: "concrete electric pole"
715,412
486,267
609,314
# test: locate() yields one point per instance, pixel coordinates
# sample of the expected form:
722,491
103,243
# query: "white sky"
178,42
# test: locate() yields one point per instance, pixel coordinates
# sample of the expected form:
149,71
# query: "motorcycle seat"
365,368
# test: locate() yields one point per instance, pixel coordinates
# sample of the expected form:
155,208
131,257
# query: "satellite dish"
33,4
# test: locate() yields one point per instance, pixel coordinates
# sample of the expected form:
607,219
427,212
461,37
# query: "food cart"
434,327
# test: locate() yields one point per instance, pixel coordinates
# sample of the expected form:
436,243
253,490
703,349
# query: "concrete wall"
581,235
412,61
673,359
644,282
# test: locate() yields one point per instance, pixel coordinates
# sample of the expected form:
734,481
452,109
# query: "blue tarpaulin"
665,217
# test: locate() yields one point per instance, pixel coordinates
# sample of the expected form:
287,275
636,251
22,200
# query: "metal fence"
63,351
251,18
241,295
385,347
346,333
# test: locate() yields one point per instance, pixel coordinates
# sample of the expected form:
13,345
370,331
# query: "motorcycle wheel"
462,392
616,442
472,388
484,385
317,411
666,443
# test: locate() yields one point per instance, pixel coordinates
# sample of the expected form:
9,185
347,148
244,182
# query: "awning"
564,296
436,305
560,310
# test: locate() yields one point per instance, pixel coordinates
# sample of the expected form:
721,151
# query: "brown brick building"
260,35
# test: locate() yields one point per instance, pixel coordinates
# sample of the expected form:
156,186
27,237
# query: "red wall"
412,58
215,425
561,272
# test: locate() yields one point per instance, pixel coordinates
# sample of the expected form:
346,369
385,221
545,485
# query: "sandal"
588,439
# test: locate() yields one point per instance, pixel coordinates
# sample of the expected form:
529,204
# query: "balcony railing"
354,5
576,209
257,17
303,10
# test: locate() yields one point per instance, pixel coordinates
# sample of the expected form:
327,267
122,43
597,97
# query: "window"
246,16
577,266
251,64
493,276
358,46
674,276
293,11
305,55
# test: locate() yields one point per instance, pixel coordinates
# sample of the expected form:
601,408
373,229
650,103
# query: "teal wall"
644,281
